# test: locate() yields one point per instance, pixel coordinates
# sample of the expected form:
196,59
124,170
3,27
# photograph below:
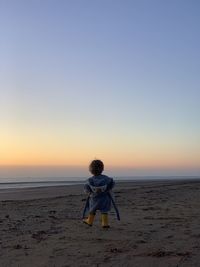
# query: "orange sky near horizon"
137,152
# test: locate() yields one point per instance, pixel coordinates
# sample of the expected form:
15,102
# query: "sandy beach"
41,227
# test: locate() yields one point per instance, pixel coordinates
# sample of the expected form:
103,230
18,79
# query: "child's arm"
111,184
87,189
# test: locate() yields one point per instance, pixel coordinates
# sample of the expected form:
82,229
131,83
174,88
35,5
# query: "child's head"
96,167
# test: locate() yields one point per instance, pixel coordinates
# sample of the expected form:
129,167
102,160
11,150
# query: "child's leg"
104,220
90,219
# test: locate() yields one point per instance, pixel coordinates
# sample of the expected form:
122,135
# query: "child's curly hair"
96,167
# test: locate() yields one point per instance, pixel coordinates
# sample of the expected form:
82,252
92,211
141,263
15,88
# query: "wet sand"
159,226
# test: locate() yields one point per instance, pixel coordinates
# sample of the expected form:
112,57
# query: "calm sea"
6,183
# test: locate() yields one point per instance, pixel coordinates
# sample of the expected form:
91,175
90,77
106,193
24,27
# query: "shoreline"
77,188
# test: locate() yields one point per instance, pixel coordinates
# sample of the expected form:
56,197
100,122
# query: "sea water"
30,182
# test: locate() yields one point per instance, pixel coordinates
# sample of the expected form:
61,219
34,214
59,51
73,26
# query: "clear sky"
115,80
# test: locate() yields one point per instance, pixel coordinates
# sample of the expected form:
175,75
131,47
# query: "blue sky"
119,76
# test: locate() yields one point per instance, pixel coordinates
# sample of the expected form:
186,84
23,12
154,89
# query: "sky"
115,80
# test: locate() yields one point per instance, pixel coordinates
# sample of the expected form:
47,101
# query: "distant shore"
44,188
54,190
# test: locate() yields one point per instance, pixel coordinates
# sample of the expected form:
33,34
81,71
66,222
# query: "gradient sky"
116,80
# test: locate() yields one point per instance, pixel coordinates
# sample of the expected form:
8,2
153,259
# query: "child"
98,187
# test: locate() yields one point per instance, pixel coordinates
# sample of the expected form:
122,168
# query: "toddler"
98,188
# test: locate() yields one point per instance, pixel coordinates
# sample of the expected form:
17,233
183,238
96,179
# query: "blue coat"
98,188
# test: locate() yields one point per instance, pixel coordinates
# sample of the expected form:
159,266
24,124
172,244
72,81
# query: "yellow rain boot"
104,220
89,221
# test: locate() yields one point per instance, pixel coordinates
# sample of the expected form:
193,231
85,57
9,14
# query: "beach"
42,227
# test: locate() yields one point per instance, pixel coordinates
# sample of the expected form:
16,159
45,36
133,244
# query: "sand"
160,226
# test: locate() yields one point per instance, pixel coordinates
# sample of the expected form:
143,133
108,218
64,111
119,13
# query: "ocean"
30,182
